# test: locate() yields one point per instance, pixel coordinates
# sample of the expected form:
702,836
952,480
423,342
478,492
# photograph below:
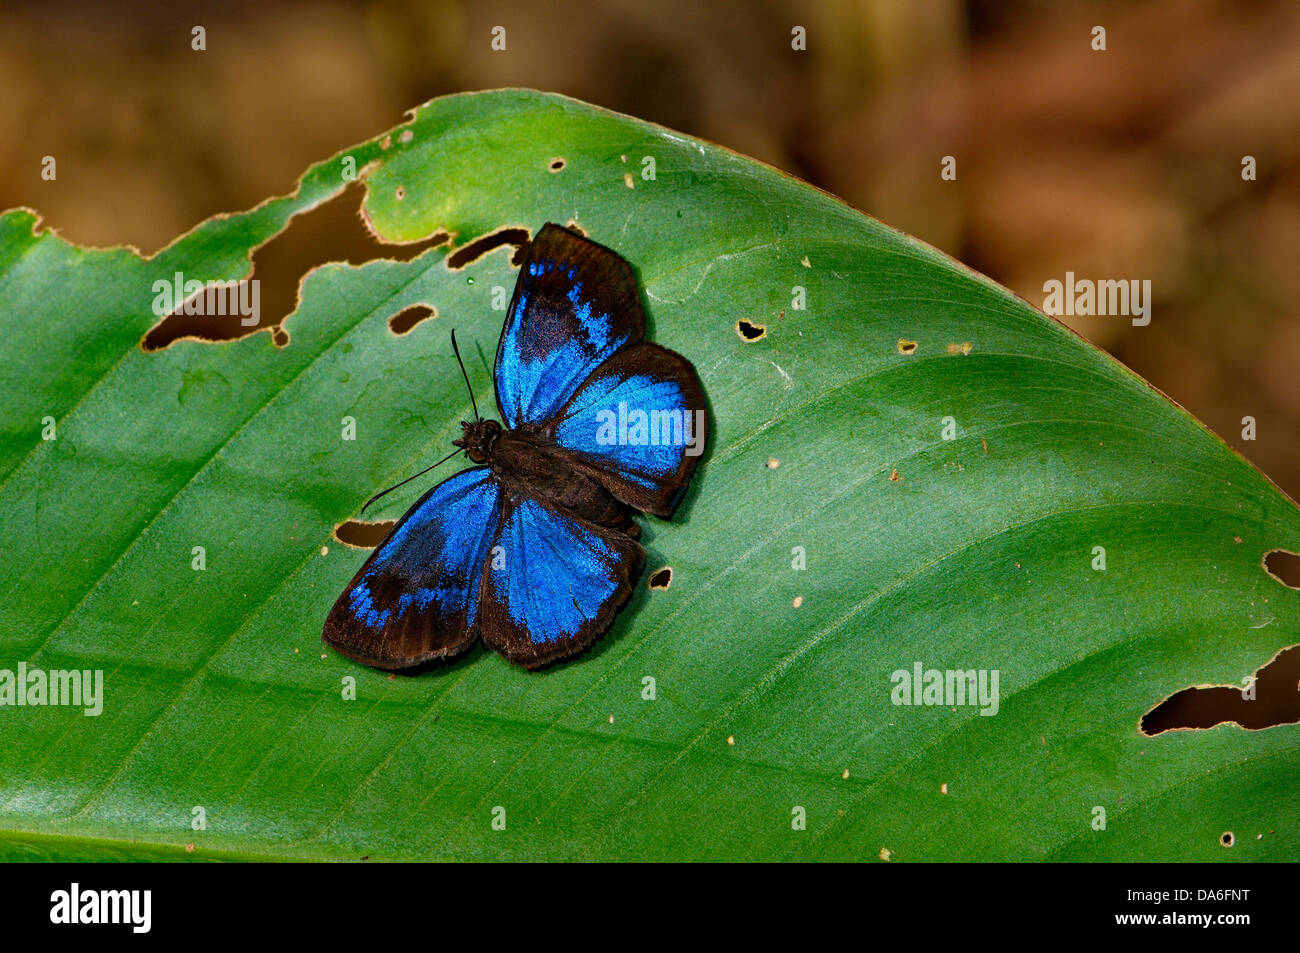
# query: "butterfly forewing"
575,305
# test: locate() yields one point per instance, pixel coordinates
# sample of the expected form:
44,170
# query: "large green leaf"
772,684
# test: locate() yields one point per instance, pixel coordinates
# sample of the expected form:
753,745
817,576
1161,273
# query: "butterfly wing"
575,305
571,348
554,583
637,426
416,598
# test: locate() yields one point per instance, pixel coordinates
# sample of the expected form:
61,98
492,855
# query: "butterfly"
535,547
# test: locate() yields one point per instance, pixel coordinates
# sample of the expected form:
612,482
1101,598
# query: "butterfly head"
478,438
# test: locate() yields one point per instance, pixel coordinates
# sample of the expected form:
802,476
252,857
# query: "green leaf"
770,682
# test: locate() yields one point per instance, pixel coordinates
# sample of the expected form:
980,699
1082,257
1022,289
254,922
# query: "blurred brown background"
1117,164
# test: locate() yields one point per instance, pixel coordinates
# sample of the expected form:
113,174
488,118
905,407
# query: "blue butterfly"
535,547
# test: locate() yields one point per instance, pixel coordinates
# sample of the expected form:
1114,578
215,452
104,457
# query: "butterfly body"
534,548
527,464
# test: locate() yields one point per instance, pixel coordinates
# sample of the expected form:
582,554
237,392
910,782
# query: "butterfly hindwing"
416,598
635,425
575,304
554,583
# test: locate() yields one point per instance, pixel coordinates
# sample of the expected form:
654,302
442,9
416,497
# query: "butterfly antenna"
407,480
464,374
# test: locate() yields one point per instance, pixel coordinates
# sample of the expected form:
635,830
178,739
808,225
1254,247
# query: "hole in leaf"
513,235
363,534
333,231
749,331
1226,839
662,579
405,321
1284,567
1276,701
906,347
556,164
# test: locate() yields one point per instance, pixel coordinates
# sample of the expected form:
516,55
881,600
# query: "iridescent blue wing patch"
575,305
554,583
637,425
416,598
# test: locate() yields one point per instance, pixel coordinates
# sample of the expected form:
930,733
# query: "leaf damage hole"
1227,839
556,164
363,534
334,231
749,331
1283,566
662,579
1271,700
906,347
472,252
404,322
